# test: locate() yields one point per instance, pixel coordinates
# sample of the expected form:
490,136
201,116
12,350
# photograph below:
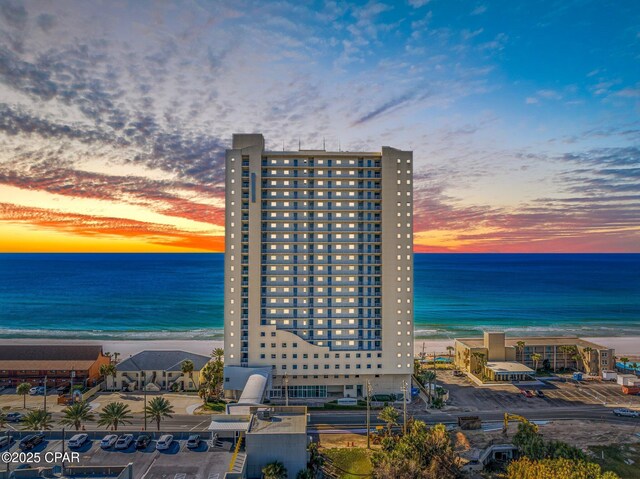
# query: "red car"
528,394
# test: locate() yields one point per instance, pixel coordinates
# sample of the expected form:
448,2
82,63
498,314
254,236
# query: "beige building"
158,371
319,268
482,356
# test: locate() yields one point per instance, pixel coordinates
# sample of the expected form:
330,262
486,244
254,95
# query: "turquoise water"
179,296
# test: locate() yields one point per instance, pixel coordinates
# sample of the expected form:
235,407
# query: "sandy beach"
624,346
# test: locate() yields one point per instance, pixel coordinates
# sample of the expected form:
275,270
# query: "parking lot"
207,461
465,395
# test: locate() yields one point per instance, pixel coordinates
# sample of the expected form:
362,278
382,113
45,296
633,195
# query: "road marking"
214,475
180,475
198,425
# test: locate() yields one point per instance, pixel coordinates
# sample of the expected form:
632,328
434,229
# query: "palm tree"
587,364
305,474
107,370
158,409
450,350
37,420
390,416
624,361
481,360
467,361
316,460
113,414
76,414
520,347
218,354
274,470
187,368
566,350
23,390
3,419
429,377
536,357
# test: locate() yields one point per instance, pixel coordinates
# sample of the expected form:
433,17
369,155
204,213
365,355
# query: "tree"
520,347
23,390
211,380
305,474
316,460
37,420
481,360
531,444
587,363
624,360
422,453
274,470
113,414
187,368
218,354
450,350
390,416
566,351
3,419
429,378
526,468
158,409
107,370
536,357
76,414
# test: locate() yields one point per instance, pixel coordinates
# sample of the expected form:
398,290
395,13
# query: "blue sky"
523,116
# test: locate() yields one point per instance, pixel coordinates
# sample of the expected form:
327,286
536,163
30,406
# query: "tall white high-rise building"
319,268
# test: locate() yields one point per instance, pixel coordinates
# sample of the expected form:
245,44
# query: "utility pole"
368,414
404,407
286,389
144,390
45,394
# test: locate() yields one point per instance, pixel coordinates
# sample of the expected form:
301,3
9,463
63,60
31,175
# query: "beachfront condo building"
318,269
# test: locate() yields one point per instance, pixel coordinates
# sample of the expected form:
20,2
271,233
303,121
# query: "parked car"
527,393
624,412
31,441
124,441
164,442
143,441
108,441
14,417
63,389
539,393
5,441
78,440
194,441
33,391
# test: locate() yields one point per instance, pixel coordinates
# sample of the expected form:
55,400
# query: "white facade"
319,267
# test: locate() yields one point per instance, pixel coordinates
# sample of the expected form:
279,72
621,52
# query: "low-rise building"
60,365
159,371
499,358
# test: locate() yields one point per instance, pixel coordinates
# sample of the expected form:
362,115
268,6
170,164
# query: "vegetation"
113,414
450,350
526,468
390,416
187,368
23,390
158,409
216,406
623,459
349,463
567,351
587,360
536,357
520,349
427,378
481,360
531,444
624,361
274,470
38,420
212,375
76,414
107,370
3,419
423,453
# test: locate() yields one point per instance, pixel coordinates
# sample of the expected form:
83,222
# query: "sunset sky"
524,117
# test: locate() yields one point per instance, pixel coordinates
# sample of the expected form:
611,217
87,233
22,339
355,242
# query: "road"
339,420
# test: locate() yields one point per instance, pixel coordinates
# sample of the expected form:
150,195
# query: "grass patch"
218,406
353,460
614,459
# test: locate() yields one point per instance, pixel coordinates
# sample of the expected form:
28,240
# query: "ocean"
180,296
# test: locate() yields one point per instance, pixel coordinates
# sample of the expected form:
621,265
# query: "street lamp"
368,414
286,389
404,407
144,390
45,393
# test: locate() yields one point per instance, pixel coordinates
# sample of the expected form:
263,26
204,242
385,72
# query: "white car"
164,442
78,440
626,412
108,441
124,441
